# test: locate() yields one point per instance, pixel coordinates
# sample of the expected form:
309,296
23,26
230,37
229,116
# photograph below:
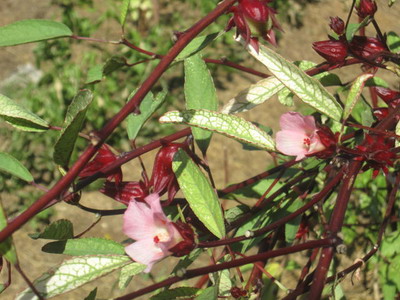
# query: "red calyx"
366,8
337,25
237,292
125,192
335,52
364,47
391,97
188,244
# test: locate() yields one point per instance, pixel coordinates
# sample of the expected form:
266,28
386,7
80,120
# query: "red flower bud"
381,113
125,192
337,25
365,46
188,244
329,140
334,52
103,158
391,97
238,292
366,8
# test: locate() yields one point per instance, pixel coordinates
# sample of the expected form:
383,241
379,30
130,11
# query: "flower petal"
293,121
139,221
291,143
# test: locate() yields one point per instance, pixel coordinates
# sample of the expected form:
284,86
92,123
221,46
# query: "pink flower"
298,136
155,235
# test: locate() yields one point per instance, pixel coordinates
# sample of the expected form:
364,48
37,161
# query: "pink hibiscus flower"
298,136
155,235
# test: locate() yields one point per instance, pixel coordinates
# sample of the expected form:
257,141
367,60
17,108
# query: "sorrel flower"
335,52
254,19
155,235
337,25
366,8
300,137
103,158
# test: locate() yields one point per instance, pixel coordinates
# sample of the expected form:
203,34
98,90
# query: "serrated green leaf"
7,248
308,89
176,293
292,226
197,44
59,230
19,117
352,28
200,93
72,125
95,74
124,12
199,193
114,63
393,42
127,273
28,31
74,273
228,125
354,94
84,246
92,295
11,165
147,107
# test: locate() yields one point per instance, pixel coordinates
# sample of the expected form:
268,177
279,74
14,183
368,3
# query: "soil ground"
223,155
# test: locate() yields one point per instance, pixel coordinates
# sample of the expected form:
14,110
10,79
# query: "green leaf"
398,133
352,28
74,273
127,273
228,125
59,230
234,213
84,246
20,117
393,42
176,293
10,164
7,248
147,107
292,226
186,261
92,295
376,81
200,93
308,89
210,293
199,193
72,125
354,94
28,31
95,74
114,63
285,97
197,44
124,12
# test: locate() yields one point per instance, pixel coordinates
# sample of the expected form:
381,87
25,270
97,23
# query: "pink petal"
139,221
145,252
293,121
291,143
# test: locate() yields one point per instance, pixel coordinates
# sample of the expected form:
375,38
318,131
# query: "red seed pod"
366,8
337,25
334,52
366,46
391,97
188,244
125,192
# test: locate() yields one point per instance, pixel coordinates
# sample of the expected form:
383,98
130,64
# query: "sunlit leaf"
393,42
59,230
9,164
124,12
200,93
228,125
72,125
352,28
19,117
196,45
27,31
199,193
176,293
127,273
354,94
74,273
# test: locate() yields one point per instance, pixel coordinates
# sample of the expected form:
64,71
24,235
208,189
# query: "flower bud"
391,97
366,8
337,25
334,52
187,244
125,192
364,47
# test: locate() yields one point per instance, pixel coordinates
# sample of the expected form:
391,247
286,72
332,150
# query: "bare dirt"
226,158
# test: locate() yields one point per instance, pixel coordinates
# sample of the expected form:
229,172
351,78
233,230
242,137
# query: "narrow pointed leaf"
19,117
92,295
176,293
308,89
11,165
352,28
28,31
197,44
228,125
147,107
7,249
199,193
72,125
292,226
124,12
200,93
84,246
354,94
127,273
59,230
74,273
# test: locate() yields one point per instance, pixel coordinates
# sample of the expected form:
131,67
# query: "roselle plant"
333,186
